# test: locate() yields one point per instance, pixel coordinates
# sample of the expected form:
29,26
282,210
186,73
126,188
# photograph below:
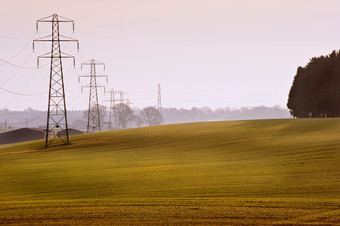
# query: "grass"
241,172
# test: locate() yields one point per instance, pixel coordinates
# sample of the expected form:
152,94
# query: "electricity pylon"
159,102
113,121
56,113
93,113
112,116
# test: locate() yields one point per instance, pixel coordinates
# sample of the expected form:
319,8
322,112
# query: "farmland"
240,172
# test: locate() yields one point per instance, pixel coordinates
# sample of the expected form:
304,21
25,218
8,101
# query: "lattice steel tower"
159,102
114,101
56,113
113,115
93,113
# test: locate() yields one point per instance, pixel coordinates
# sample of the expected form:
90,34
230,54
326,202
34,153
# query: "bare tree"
124,115
139,121
151,116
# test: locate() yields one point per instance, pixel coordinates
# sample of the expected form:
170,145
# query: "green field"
241,172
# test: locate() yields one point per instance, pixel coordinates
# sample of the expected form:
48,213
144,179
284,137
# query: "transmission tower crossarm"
88,76
93,61
97,76
96,86
42,39
54,18
89,86
48,55
45,38
50,19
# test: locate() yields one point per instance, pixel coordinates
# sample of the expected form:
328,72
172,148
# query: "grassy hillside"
267,171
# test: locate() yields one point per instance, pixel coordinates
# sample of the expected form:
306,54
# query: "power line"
81,55
18,52
31,120
21,89
21,94
17,66
24,36
15,73
19,37
43,75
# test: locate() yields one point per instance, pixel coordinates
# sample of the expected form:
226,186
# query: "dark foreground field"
245,172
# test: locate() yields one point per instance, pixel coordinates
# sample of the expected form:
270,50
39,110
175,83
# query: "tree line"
129,117
315,91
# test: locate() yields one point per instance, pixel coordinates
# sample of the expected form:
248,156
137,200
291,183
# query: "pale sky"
216,53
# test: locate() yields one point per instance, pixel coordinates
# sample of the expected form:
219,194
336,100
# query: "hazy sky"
217,53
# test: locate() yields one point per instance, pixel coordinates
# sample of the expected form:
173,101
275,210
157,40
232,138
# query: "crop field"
261,172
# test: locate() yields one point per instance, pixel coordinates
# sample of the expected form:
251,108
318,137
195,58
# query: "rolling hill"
240,172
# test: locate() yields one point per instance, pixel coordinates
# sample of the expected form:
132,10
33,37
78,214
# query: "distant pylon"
159,102
93,112
114,101
112,116
56,113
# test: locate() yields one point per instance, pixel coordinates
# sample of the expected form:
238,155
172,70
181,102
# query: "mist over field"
77,119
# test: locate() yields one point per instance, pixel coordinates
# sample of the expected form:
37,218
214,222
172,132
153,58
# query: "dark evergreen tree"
316,88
